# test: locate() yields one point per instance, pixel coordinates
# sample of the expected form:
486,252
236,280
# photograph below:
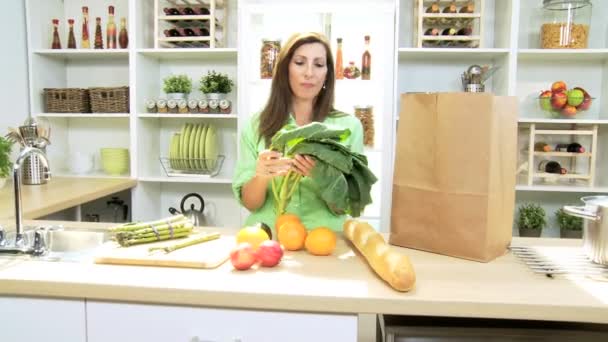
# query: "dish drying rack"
192,167
565,261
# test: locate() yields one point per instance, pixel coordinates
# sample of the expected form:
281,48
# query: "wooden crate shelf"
424,21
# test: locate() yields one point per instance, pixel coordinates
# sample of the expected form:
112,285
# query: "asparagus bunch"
144,232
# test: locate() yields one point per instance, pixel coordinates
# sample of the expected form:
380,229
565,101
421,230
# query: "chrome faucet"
38,243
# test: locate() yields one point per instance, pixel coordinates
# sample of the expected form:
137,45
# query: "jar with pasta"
365,114
269,55
565,24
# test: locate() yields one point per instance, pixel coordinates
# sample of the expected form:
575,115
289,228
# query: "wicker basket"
109,100
67,100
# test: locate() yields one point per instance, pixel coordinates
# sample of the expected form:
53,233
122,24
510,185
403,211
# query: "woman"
302,92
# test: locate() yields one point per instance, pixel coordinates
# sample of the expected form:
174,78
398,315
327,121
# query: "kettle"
195,215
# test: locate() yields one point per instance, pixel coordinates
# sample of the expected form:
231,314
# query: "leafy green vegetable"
342,177
5,163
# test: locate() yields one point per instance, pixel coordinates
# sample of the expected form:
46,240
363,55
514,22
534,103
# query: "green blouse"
305,202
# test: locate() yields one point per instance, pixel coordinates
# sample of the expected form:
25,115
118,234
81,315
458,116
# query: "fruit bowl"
564,103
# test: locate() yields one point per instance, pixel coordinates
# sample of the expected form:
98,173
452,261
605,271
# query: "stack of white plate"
194,148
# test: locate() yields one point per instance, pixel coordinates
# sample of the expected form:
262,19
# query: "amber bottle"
339,62
366,61
123,37
71,36
56,41
111,29
98,34
85,43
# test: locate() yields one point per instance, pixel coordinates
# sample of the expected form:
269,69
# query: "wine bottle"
572,148
465,31
339,63
542,147
434,8
551,166
449,31
200,31
98,34
468,8
171,11
187,11
432,32
85,43
366,62
202,11
185,32
451,8
56,41
123,37
111,29
172,33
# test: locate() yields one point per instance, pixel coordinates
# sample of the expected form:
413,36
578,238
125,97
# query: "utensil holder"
474,88
33,171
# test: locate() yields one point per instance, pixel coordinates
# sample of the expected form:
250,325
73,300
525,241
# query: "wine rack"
569,159
448,23
190,23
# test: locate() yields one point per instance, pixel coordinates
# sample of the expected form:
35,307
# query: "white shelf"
547,55
189,116
96,174
563,132
562,154
85,54
564,121
452,15
193,179
561,188
84,115
169,54
566,176
451,54
184,17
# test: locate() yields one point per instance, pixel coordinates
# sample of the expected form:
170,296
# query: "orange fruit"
320,241
285,218
292,235
254,235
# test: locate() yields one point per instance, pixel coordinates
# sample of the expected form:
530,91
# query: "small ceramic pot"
215,96
177,96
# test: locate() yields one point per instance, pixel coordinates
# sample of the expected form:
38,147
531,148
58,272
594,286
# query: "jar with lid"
193,106
172,106
565,24
182,106
269,55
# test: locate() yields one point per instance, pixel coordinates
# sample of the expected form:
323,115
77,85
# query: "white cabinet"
41,319
150,323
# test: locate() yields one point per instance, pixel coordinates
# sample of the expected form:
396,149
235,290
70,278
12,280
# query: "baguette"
393,267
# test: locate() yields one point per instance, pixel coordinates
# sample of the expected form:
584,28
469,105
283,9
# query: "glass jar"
565,24
365,114
269,54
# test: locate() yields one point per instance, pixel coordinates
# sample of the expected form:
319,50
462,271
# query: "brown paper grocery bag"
454,179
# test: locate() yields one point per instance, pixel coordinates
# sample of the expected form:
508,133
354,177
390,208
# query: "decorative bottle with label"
339,62
542,146
71,37
85,43
56,41
123,37
111,29
366,61
98,34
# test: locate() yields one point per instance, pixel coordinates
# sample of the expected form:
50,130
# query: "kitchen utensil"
195,215
595,228
33,171
119,209
210,254
15,137
474,72
488,71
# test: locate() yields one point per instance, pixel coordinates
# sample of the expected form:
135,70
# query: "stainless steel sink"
65,244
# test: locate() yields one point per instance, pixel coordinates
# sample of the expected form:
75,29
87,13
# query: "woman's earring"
324,86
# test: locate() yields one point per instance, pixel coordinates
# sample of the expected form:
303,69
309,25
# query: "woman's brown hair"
276,112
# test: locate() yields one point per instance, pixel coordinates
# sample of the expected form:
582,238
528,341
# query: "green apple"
575,97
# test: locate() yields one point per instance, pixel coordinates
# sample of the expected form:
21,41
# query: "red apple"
545,100
243,256
558,87
270,253
569,111
559,100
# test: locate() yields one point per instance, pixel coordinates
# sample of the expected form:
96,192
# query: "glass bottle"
56,41
123,37
71,37
366,62
339,62
85,43
98,34
565,24
111,29
269,54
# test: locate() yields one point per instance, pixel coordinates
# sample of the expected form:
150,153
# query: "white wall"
14,85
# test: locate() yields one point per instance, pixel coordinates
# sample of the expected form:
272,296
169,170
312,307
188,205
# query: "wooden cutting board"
210,254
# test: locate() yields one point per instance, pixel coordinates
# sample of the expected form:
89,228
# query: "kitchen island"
58,194
330,290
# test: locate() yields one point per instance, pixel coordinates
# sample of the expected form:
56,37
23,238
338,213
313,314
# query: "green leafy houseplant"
531,219
177,84
569,226
5,163
215,82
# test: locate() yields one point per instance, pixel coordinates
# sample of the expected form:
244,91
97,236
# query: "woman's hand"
303,164
272,164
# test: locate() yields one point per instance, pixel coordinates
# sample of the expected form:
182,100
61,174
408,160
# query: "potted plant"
5,163
215,85
570,227
177,86
531,220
